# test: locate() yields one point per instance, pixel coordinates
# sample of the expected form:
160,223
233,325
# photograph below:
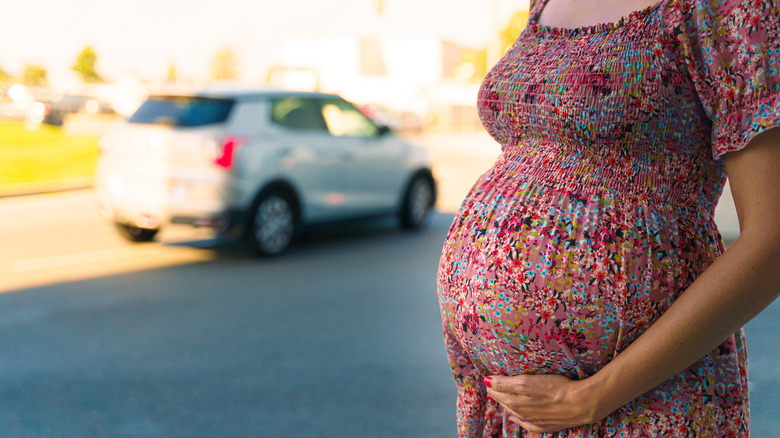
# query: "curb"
46,187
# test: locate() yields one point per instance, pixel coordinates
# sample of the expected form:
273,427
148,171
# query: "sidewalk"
458,160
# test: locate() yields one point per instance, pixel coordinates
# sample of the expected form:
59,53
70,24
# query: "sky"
144,37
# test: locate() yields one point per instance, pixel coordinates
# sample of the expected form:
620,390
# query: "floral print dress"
599,212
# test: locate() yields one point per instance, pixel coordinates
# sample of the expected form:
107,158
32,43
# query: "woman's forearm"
734,289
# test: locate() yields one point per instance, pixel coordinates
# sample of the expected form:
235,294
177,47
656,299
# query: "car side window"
297,113
344,120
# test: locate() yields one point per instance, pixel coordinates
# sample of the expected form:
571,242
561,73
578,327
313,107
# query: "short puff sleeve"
732,51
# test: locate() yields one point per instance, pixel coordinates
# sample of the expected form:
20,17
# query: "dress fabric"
599,211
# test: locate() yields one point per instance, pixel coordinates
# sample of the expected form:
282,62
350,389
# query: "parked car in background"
258,164
405,122
54,112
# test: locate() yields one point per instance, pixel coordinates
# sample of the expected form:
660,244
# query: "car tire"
272,223
135,234
418,201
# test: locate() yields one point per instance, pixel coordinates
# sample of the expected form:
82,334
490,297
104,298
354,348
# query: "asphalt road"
338,338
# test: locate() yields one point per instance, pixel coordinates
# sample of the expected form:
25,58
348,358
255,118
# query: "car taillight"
226,151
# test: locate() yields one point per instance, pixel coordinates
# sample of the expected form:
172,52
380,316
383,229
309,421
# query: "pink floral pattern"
599,212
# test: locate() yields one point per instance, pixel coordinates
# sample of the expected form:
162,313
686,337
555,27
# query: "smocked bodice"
611,109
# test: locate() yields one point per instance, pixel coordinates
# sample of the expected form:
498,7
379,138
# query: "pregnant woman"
584,287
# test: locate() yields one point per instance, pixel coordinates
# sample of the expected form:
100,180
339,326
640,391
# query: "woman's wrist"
595,397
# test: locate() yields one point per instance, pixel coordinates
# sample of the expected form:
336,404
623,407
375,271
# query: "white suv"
259,164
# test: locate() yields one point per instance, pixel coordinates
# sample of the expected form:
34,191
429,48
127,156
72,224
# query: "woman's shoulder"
535,4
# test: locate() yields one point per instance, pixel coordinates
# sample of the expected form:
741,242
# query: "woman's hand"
545,402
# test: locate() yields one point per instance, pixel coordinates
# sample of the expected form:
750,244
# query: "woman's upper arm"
754,177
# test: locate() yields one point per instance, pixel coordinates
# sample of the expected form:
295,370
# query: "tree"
85,66
172,76
34,75
513,28
223,67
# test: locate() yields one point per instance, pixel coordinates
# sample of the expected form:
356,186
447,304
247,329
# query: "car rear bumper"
218,221
153,200
147,220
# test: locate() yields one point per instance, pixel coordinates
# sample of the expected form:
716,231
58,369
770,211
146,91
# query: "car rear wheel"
135,234
273,224
418,201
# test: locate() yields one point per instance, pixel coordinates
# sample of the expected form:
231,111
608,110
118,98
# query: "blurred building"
432,79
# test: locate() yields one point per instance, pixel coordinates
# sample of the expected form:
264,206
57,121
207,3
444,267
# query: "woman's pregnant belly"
538,279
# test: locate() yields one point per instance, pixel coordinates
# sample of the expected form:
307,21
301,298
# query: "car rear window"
182,111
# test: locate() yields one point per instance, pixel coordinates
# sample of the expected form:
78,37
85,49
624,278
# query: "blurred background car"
54,112
399,121
258,164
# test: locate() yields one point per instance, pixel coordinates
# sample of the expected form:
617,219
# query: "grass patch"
46,156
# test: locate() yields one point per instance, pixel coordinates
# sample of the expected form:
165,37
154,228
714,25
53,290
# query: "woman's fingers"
528,427
506,384
542,390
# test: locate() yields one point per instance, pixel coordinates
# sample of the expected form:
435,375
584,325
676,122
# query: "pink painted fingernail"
488,380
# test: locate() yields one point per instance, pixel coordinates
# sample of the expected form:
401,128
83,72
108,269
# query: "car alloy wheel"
418,201
273,224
